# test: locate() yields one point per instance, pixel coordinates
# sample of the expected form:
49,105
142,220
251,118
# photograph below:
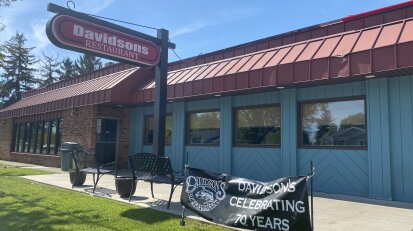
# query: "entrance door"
106,139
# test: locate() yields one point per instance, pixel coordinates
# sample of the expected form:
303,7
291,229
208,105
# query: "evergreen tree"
87,63
49,69
5,3
326,125
67,69
17,68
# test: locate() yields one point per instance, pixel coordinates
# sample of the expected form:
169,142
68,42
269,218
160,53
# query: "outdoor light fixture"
170,101
217,95
280,88
74,111
370,76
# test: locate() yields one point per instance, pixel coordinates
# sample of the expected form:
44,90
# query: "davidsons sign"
75,34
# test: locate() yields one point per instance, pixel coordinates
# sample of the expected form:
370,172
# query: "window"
333,124
204,128
149,130
258,126
40,131
21,137
38,137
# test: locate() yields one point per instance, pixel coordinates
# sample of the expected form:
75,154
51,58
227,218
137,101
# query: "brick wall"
6,131
38,159
6,138
79,125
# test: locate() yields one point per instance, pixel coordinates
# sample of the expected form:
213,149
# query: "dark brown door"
106,140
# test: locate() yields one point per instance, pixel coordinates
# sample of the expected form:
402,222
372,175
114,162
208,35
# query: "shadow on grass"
19,213
147,215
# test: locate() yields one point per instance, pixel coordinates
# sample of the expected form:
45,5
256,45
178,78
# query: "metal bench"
153,169
87,162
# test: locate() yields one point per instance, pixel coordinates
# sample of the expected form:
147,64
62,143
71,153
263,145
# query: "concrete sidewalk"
331,212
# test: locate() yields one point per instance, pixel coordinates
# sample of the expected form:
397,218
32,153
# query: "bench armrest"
108,164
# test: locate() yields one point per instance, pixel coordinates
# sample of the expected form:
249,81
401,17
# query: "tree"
5,3
67,69
326,125
49,69
354,119
258,125
17,68
87,63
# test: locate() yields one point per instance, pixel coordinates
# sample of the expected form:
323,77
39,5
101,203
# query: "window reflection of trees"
204,128
259,125
339,123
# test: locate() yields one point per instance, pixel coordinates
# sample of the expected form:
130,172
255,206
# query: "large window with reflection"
149,130
42,137
203,128
258,126
338,123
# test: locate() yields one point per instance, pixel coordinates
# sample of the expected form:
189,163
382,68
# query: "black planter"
123,186
80,179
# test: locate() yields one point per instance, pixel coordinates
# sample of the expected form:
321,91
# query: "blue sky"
195,26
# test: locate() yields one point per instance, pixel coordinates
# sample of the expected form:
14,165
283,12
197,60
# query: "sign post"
80,32
161,72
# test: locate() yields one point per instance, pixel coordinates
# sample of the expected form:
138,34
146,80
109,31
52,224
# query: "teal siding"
226,134
401,137
378,138
289,132
384,170
203,157
136,130
262,164
337,171
332,91
256,99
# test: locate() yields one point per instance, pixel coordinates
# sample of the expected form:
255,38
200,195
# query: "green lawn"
27,205
8,170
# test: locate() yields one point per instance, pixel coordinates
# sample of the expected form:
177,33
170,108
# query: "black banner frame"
309,176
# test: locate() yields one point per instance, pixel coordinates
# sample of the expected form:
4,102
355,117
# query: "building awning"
111,89
330,59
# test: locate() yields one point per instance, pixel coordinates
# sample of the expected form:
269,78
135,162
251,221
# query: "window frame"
188,123
300,144
235,127
145,126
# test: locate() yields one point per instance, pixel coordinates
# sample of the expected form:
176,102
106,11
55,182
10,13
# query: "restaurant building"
339,94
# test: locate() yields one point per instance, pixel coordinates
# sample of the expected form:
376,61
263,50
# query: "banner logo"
204,194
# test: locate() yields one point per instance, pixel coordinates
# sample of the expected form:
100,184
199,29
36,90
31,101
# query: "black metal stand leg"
182,222
74,181
132,188
170,196
152,190
95,182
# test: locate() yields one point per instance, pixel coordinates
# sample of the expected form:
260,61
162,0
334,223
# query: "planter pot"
80,179
123,186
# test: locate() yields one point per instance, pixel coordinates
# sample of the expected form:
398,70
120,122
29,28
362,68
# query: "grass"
8,170
27,205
